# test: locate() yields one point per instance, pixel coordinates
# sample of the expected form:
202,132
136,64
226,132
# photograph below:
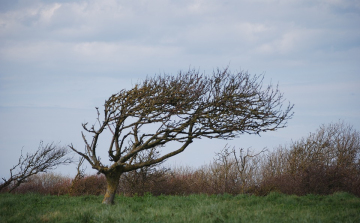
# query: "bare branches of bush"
146,179
47,157
324,162
45,183
79,175
236,170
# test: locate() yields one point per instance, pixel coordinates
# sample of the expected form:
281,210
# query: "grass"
339,207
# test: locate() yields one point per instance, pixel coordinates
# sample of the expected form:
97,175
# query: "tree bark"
112,180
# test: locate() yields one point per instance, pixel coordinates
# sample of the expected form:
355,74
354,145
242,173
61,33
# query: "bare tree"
46,158
180,109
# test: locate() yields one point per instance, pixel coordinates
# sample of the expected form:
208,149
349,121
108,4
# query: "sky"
61,59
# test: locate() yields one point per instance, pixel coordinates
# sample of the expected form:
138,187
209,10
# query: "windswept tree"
45,158
180,109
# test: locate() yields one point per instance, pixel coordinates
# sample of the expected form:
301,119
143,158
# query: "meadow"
275,207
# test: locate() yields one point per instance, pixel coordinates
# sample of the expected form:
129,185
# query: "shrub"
89,185
45,183
323,163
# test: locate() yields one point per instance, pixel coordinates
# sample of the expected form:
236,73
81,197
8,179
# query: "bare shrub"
89,185
142,181
186,180
79,175
325,162
231,172
45,183
223,173
235,171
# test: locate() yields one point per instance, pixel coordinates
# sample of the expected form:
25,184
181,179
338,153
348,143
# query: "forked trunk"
112,180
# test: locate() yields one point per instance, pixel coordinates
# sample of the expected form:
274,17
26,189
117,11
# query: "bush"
89,185
45,183
323,163
185,181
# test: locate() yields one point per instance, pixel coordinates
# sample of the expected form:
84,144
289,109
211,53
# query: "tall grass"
339,207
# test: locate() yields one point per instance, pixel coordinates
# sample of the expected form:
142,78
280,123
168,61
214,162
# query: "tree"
180,109
46,158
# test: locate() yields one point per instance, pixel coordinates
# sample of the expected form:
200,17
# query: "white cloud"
120,52
295,40
48,12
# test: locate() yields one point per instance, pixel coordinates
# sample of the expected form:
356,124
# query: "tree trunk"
112,180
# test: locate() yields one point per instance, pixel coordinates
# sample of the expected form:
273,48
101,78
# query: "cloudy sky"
61,59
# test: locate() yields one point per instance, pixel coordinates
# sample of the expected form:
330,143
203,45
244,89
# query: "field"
275,207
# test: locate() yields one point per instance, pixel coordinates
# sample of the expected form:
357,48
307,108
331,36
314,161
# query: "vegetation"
46,158
325,162
314,179
179,109
275,207
324,168
322,163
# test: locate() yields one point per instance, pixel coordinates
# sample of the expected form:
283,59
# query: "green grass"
340,207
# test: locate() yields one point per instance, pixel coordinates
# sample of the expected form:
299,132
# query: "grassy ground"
340,207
